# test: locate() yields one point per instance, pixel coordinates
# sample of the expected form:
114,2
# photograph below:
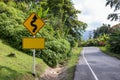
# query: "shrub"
114,42
56,51
71,40
11,28
49,57
82,44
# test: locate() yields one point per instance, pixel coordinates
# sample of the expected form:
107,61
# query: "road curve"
95,65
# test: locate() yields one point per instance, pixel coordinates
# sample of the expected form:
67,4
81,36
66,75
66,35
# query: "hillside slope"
18,67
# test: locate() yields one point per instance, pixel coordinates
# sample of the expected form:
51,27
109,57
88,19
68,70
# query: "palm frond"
113,3
117,6
113,16
110,2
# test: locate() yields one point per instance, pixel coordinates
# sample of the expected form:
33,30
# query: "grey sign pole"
34,60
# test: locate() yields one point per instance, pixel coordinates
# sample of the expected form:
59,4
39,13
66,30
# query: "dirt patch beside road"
58,73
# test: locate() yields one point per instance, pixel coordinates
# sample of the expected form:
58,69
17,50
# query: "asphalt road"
95,65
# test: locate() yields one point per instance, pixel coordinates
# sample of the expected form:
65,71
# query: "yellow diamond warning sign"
33,23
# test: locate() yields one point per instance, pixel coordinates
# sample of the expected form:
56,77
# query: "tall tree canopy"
67,17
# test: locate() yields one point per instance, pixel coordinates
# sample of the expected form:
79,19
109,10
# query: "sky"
93,12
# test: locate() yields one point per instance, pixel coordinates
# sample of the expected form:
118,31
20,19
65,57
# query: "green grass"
18,67
104,49
72,63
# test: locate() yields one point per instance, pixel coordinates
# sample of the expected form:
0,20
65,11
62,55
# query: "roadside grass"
104,49
18,67
72,63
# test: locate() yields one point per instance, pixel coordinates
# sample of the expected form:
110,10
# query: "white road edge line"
96,78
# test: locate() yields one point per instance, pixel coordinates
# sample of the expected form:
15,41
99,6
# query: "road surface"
95,65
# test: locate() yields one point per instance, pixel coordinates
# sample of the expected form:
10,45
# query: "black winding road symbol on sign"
32,23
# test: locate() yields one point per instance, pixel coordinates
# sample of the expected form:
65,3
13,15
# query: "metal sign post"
34,60
33,23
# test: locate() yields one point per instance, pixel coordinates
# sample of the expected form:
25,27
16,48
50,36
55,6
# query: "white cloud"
94,12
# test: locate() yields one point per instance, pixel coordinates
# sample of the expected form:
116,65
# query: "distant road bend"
95,65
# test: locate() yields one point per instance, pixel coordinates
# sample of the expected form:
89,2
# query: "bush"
11,28
99,41
82,44
49,57
114,42
56,51
71,40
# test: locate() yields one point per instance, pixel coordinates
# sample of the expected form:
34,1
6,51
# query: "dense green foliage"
104,29
61,31
111,39
99,41
56,51
107,51
100,37
114,41
11,29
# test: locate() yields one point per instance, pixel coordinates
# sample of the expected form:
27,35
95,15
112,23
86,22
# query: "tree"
114,40
67,20
104,29
116,5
